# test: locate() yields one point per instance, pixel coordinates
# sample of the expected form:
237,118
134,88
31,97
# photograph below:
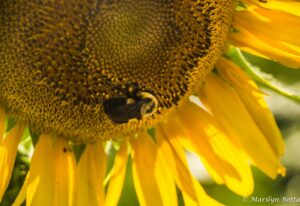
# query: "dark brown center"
62,61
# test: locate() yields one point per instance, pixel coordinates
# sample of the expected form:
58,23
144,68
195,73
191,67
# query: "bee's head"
149,106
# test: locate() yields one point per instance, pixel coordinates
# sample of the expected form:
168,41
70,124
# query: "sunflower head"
102,72
100,69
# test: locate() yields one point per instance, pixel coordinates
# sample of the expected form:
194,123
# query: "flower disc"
88,70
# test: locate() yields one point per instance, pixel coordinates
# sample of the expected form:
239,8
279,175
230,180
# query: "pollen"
61,60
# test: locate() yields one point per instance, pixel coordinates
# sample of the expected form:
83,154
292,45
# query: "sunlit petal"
289,6
224,161
2,123
8,152
234,118
175,158
254,102
91,171
265,32
152,180
52,173
117,177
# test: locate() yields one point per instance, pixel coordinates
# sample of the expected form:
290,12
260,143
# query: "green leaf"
26,147
10,123
272,75
78,150
34,137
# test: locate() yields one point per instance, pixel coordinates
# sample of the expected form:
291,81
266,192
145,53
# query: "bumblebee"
135,104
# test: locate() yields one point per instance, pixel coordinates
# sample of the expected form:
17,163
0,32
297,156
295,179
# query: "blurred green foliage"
21,168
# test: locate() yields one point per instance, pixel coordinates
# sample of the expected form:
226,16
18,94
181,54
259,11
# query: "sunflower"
147,79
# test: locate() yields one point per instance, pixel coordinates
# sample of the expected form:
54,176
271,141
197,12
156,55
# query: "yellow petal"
270,25
289,6
201,195
52,173
117,177
64,160
226,163
8,152
174,156
234,118
254,102
40,188
153,182
91,171
265,32
2,124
